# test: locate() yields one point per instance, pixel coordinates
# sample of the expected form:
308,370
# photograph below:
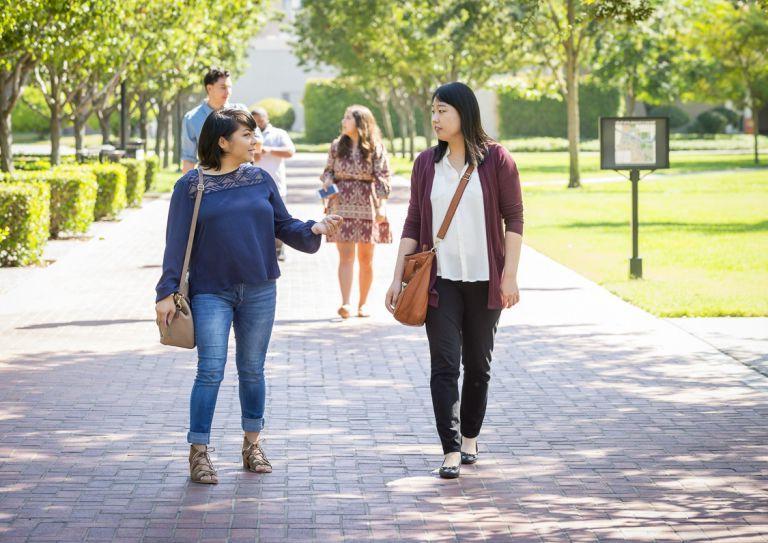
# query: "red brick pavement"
604,423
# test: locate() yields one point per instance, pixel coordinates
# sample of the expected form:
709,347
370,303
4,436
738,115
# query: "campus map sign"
634,143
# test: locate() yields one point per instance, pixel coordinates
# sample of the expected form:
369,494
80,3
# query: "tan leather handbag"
411,306
181,331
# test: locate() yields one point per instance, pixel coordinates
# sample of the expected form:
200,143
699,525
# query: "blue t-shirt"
240,216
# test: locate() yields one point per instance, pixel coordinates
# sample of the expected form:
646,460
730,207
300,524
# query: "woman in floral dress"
359,166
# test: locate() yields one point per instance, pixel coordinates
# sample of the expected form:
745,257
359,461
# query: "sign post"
634,144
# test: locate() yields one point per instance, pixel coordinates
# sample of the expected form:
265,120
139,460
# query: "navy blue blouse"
240,216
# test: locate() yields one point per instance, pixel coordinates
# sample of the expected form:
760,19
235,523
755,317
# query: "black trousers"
460,331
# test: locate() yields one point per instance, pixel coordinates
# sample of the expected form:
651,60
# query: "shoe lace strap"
201,461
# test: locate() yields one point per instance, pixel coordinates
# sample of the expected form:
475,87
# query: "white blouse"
463,254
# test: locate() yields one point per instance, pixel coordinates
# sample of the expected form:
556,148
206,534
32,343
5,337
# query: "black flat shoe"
468,458
449,472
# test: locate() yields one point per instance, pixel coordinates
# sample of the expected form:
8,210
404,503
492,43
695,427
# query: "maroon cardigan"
502,199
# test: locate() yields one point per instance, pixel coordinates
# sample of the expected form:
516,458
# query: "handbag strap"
184,286
454,205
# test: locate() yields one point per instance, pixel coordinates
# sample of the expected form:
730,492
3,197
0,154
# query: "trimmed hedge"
135,182
111,199
547,117
150,175
38,163
31,164
24,222
325,101
73,197
281,113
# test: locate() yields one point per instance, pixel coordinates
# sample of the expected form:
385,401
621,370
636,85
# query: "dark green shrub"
150,175
281,113
25,117
733,117
677,117
111,199
135,182
711,122
24,222
73,196
548,117
325,101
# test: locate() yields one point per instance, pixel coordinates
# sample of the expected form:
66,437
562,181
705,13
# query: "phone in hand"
330,191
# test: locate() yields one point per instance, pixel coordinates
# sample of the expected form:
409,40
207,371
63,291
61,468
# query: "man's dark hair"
220,124
213,75
476,141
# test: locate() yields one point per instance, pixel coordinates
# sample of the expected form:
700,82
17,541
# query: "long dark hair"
218,124
369,135
476,141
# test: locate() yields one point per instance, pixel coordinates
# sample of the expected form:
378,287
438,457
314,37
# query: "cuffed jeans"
460,332
252,310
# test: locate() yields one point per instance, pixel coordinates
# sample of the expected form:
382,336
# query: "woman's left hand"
381,213
328,226
510,293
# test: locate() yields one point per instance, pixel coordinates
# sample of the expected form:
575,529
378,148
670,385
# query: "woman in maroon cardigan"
475,275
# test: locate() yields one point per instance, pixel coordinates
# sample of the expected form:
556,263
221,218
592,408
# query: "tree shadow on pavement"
587,436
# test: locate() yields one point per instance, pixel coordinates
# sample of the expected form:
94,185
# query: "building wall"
273,71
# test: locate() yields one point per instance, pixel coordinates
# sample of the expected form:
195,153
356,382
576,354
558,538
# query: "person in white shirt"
276,147
477,260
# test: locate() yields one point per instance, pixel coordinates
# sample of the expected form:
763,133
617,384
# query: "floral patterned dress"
361,185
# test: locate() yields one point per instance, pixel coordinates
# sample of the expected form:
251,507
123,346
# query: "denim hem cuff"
197,438
252,425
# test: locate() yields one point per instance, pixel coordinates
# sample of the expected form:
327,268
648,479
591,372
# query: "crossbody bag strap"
455,202
184,284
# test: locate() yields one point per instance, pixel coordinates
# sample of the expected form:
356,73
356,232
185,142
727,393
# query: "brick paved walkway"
604,423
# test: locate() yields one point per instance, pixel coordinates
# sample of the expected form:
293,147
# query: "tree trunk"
11,85
167,139
402,118
572,99
630,100
428,124
6,141
143,121
161,117
55,134
106,132
177,116
756,131
411,134
79,124
386,117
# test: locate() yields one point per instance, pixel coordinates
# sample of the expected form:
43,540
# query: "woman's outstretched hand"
328,226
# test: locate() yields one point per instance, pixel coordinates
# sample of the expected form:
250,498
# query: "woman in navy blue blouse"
232,273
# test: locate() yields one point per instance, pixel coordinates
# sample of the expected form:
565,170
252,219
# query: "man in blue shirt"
218,88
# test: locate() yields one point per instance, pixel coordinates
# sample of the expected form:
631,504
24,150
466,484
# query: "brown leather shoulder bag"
181,331
411,306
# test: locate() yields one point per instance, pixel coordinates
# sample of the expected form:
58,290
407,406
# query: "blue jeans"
252,310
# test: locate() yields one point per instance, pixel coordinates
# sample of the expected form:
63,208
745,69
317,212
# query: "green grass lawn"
703,240
720,142
166,178
550,166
